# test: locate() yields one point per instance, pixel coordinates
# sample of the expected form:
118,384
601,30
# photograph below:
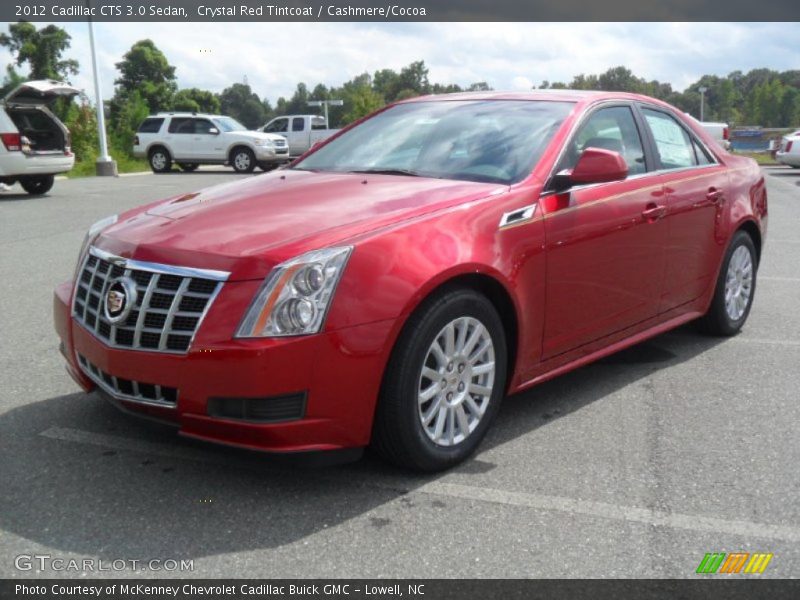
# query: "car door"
207,142
298,136
180,134
279,126
604,242
695,186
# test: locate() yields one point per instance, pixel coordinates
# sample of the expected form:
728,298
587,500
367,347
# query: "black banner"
399,10
432,589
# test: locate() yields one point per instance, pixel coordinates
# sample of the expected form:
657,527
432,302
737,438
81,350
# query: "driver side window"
612,128
277,126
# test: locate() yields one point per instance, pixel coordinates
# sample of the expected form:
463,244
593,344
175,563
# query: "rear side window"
676,149
297,124
703,157
181,125
150,125
277,126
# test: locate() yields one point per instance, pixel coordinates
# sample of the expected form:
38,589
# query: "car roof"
185,114
562,95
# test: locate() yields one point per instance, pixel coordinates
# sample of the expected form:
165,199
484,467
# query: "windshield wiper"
406,172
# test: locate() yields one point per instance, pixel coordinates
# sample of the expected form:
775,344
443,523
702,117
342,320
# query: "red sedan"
393,284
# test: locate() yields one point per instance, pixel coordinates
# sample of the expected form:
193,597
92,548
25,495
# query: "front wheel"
243,160
444,383
736,286
38,185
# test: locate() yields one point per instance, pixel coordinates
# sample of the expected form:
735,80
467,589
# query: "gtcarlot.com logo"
46,562
734,562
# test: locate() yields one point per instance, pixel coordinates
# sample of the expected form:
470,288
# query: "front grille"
279,143
127,389
167,312
275,409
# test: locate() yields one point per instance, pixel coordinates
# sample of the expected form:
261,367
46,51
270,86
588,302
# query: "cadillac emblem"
120,299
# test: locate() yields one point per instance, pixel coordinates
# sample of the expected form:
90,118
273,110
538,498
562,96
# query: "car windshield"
473,140
229,124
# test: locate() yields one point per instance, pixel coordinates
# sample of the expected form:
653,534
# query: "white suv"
34,144
190,139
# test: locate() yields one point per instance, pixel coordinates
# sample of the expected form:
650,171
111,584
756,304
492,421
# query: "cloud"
275,56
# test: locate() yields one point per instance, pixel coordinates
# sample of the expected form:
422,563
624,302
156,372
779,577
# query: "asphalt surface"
632,467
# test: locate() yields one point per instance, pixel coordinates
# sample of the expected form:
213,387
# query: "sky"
274,57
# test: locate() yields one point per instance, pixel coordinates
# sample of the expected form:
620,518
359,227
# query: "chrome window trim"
689,132
139,265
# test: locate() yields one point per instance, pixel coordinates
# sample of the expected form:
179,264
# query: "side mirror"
597,165
213,131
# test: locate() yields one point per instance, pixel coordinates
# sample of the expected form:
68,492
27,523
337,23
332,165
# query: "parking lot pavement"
635,466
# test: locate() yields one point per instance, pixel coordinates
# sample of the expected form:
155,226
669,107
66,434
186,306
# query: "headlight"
91,235
295,296
264,143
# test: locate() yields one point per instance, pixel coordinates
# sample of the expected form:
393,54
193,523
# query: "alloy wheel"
455,385
738,283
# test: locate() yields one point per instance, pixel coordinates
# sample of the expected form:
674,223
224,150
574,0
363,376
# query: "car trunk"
44,132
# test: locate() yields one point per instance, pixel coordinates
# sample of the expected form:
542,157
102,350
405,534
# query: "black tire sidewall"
404,380
720,320
36,186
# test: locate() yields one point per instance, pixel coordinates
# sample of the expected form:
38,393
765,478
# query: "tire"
243,160
399,433
37,186
160,160
736,282
188,167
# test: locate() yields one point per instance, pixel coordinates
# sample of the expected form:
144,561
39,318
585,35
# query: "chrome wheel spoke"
739,283
456,381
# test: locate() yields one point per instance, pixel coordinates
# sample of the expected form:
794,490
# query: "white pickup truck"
301,131
719,131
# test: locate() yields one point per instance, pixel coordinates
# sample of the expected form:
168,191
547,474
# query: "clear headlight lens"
94,230
265,143
295,296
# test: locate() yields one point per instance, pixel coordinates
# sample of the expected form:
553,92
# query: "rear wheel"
243,160
38,185
188,167
736,286
444,383
160,160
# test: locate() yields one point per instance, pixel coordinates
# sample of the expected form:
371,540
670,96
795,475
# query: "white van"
34,144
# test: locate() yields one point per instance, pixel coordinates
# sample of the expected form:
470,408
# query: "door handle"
654,212
715,196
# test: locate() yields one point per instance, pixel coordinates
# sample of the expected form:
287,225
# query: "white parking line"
602,510
762,278
574,506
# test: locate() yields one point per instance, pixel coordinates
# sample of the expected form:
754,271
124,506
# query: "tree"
241,103
360,99
146,70
196,100
41,49
129,114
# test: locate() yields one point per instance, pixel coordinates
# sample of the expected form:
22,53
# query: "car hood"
248,226
258,135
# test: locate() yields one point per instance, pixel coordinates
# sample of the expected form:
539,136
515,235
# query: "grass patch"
125,164
762,158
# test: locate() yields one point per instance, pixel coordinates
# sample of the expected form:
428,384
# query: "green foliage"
41,49
196,100
81,121
241,103
146,70
129,114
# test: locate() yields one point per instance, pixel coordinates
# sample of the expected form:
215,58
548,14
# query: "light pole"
324,104
105,165
703,90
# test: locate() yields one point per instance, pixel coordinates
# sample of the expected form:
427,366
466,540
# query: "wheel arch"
234,146
484,281
751,228
156,145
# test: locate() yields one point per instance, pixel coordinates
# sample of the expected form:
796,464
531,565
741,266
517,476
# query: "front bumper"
339,372
271,154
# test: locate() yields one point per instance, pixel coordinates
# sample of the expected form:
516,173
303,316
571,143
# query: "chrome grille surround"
170,305
127,389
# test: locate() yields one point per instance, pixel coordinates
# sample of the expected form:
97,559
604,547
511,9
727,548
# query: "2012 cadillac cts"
394,283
